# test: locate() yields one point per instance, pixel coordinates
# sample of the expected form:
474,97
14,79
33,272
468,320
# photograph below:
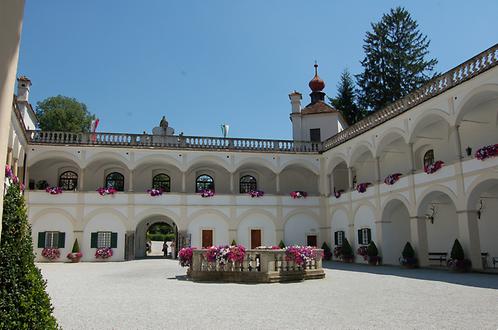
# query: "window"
364,236
338,238
429,158
162,181
204,182
102,239
68,180
315,135
247,184
51,239
115,180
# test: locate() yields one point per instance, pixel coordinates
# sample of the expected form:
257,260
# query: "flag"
93,129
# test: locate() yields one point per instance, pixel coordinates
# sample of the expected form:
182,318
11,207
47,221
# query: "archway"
395,230
155,229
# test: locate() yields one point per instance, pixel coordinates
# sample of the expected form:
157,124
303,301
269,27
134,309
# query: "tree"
63,114
345,101
395,60
24,304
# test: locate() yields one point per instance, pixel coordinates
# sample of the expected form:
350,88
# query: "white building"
454,113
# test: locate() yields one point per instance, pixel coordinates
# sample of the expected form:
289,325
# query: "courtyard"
154,294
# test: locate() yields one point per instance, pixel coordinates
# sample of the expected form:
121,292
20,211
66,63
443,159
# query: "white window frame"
340,237
104,239
364,236
52,239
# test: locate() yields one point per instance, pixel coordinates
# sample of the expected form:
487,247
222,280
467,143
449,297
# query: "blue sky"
203,63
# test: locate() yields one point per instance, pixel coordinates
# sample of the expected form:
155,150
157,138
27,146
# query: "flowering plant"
103,253
298,194
10,176
256,193
225,254
106,191
338,193
301,254
185,256
392,179
207,193
363,251
487,152
434,167
8,171
51,253
155,192
362,187
54,190
273,247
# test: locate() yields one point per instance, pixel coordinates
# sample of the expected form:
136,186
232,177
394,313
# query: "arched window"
161,181
247,183
204,182
429,158
68,180
115,180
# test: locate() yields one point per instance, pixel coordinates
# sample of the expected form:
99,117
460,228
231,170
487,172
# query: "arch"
161,181
399,197
247,183
261,211
257,219
395,228
298,225
163,159
359,149
387,137
299,163
483,90
49,155
336,159
68,180
143,225
204,182
102,210
301,211
158,212
34,217
208,219
433,189
364,203
202,160
256,161
427,116
195,215
107,155
115,180
482,183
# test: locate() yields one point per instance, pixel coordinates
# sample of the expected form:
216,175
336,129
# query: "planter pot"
347,260
374,260
75,259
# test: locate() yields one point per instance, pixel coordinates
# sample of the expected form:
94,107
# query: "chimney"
295,98
23,87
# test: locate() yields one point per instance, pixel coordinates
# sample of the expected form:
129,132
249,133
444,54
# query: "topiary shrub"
457,251
372,250
327,253
234,243
281,244
41,185
347,250
76,247
408,251
24,304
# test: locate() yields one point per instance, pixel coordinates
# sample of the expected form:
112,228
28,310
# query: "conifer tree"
24,304
345,101
395,60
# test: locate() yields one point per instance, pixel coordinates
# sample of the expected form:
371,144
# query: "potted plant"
373,254
75,254
408,259
457,261
281,244
327,253
346,251
42,185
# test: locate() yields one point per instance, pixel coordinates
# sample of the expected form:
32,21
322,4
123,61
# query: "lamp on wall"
430,216
479,210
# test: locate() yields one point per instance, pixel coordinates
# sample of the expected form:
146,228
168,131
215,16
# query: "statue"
163,123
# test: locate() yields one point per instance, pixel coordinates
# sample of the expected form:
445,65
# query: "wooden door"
255,238
311,240
207,238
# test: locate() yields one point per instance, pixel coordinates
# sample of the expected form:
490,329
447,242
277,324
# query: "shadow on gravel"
489,281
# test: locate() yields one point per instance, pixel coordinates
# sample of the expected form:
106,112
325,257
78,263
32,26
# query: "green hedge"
161,237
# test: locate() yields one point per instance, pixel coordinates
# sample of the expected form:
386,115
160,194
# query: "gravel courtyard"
153,294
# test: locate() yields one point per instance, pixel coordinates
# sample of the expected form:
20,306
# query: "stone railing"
465,71
172,142
259,266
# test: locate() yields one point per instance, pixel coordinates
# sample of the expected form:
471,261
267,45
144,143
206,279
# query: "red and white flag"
93,129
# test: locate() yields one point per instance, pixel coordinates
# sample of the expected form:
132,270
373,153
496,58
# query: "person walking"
165,248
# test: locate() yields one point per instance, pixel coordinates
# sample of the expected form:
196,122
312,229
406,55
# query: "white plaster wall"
53,222
443,232
298,227
142,179
339,222
104,221
364,218
256,221
293,178
51,170
488,228
395,233
208,221
328,124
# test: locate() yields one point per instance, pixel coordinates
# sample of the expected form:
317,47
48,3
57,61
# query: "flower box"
362,251
54,190
362,187
459,265
106,191
392,179
207,193
487,152
338,193
434,167
256,193
298,194
103,253
74,256
51,253
155,192
301,254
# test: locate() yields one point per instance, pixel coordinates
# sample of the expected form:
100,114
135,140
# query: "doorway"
207,238
311,240
255,238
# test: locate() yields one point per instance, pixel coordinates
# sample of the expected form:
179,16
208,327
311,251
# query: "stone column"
277,183
15,164
9,156
458,141
279,235
232,189
81,180
184,182
350,178
418,232
468,235
330,180
130,245
411,157
377,169
11,14
130,183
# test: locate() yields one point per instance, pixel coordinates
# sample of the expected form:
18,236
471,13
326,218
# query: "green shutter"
93,240
114,240
336,238
360,237
369,235
41,239
62,240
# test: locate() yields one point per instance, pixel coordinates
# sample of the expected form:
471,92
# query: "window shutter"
41,239
114,240
93,240
336,239
369,235
62,240
360,237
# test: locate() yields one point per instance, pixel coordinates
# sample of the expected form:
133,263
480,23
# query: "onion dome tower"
317,85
